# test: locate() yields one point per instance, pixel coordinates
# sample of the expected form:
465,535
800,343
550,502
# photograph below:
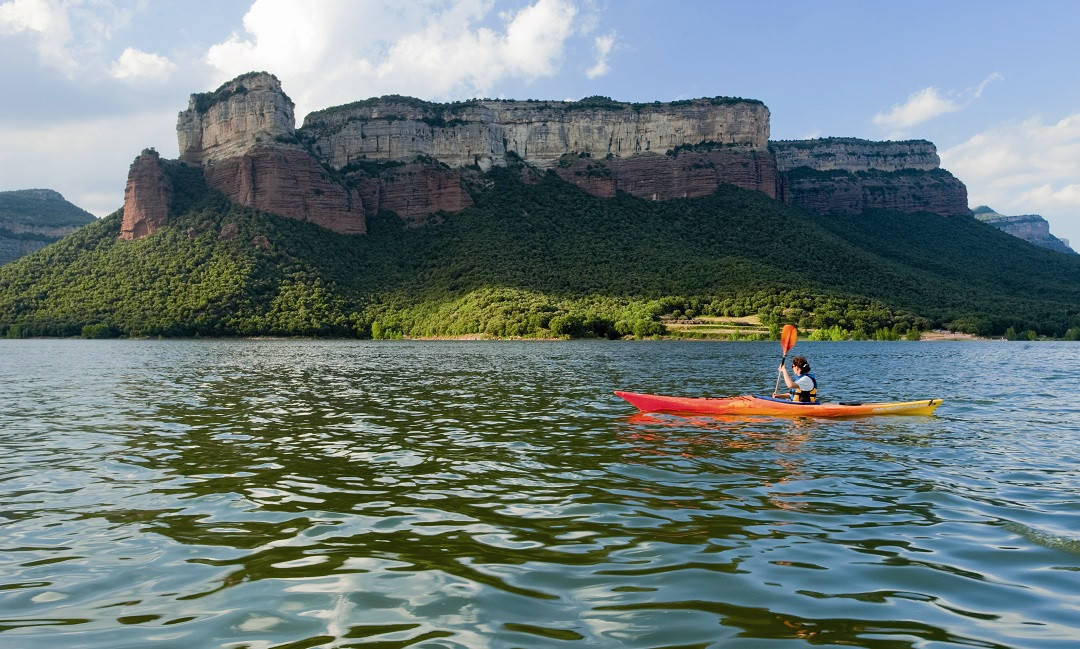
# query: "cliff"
243,136
421,159
31,219
851,175
483,133
147,197
1029,227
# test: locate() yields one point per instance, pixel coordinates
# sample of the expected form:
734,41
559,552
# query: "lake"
303,493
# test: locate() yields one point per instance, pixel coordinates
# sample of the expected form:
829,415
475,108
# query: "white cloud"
603,49
920,106
135,65
48,22
1024,167
928,103
71,35
433,49
86,161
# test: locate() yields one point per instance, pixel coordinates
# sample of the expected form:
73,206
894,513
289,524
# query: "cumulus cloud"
48,23
603,44
928,103
430,48
1024,167
920,106
135,65
70,35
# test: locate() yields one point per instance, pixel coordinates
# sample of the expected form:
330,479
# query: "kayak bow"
751,405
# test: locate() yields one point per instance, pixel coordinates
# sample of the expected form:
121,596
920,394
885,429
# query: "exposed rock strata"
852,154
147,197
417,158
288,182
1029,227
663,177
482,133
243,135
852,175
248,112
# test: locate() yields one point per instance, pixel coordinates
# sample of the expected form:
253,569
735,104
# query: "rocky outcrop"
248,112
852,175
420,159
853,154
624,143
1029,227
483,133
288,182
417,191
147,197
680,174
243,136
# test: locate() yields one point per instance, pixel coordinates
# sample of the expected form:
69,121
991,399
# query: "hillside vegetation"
41,207
542,259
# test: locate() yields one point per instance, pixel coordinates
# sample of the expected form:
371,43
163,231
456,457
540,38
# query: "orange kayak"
750,405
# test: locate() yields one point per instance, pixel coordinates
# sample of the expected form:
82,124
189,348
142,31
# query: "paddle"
787,341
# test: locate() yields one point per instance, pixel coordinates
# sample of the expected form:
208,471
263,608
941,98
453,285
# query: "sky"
994,84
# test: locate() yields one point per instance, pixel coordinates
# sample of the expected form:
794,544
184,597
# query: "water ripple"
307,493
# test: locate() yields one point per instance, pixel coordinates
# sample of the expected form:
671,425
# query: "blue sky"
994,84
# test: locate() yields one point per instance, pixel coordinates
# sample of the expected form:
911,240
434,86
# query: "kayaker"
804,387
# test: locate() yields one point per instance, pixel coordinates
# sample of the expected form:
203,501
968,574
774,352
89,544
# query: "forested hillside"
543,259
31,219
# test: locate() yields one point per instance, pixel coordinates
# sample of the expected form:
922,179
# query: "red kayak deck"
751,405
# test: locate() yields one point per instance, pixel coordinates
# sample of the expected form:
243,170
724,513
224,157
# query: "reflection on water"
468,494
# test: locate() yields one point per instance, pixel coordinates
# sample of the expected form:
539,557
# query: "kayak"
770,406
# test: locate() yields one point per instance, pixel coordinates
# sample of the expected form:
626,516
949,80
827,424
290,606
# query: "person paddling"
804,386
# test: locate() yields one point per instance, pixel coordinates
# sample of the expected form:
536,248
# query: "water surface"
482,494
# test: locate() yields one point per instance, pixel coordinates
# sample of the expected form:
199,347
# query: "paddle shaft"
783,359
787,340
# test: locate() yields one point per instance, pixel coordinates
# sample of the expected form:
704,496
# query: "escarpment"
421,159
853,175
1029,227
147,197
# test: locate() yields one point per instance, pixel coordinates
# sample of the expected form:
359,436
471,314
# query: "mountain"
420,159
396,217
1029,227
537,256
31,219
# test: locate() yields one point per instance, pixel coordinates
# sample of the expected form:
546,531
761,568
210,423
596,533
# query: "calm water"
482,494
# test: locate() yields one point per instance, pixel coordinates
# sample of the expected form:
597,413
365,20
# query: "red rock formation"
937,192
663,177
415,191
146,198
291,183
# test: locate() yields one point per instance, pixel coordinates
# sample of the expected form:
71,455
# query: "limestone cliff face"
852,154
482,133
420,159
852,175
147,197
243,136
245,113
1029,227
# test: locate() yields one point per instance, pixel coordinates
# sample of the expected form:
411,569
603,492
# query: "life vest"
805,396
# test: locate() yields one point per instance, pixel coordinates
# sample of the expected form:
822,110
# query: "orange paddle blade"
787,337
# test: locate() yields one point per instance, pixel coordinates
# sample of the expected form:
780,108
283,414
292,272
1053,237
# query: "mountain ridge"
31,219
